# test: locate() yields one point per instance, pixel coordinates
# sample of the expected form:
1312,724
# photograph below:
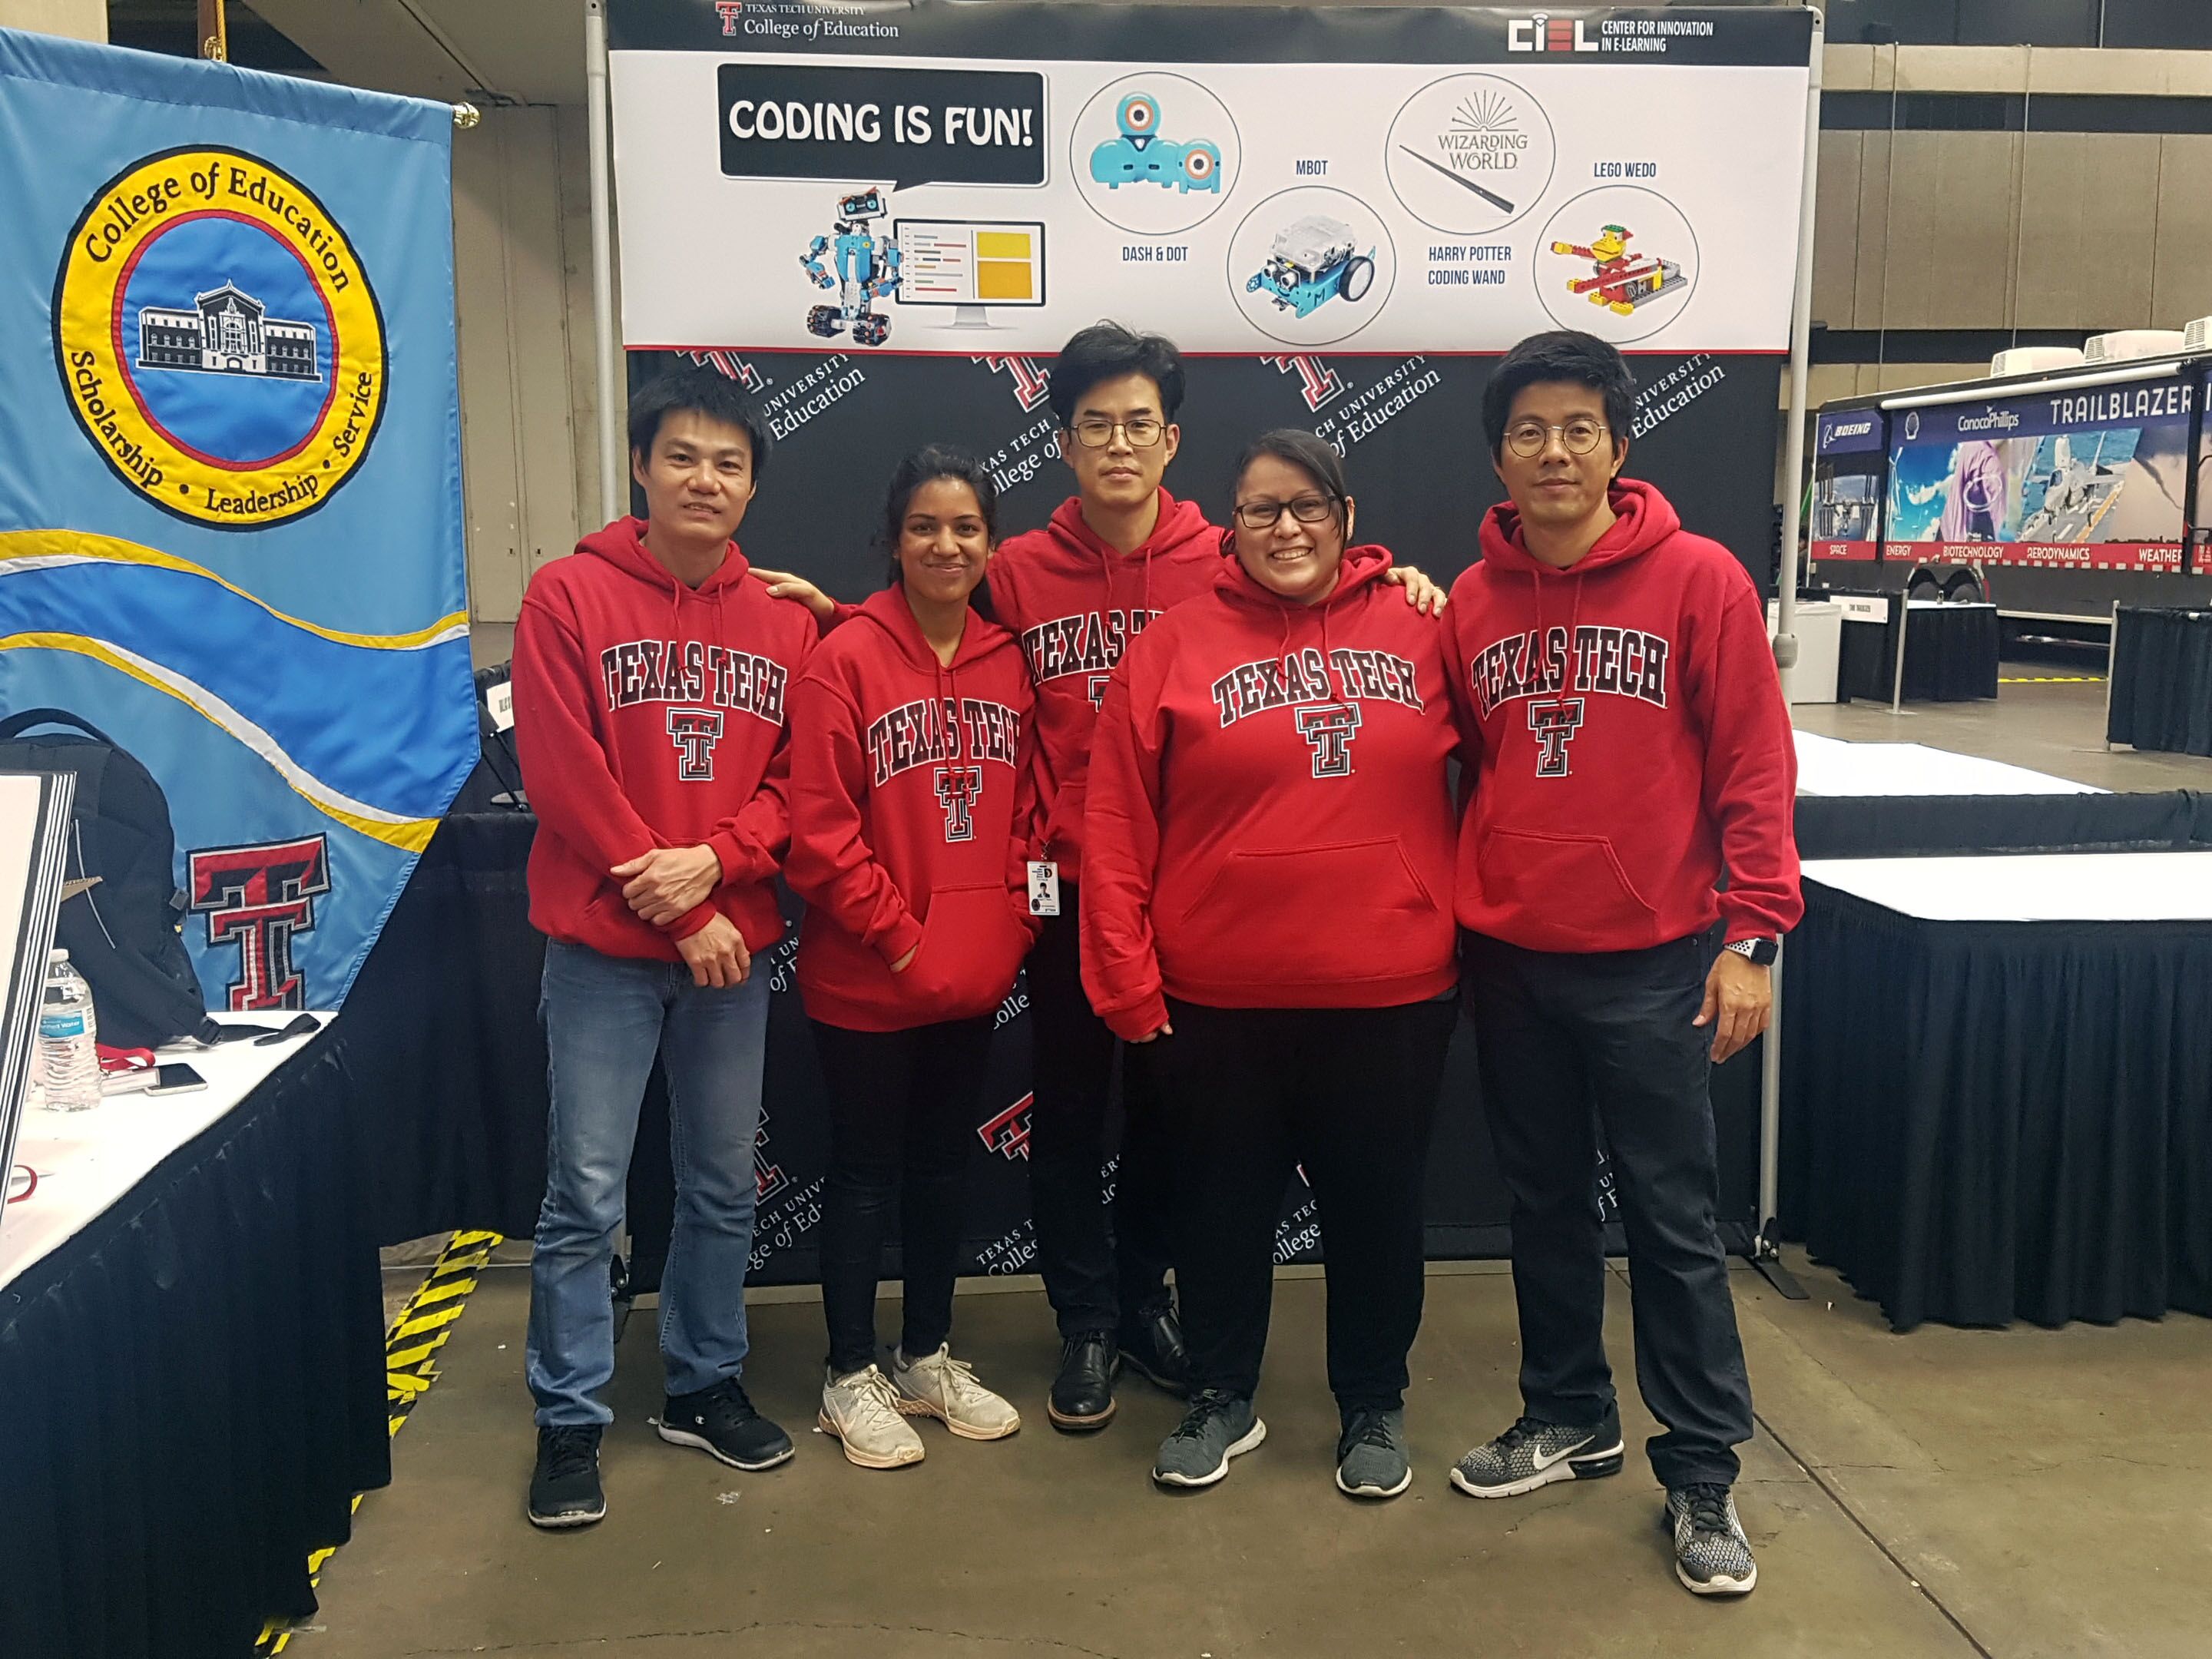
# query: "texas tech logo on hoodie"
1088,642
1619,662
1328,712
930,730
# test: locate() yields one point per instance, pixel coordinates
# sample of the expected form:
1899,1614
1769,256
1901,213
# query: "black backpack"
124,934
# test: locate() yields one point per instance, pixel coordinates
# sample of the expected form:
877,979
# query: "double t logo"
958,788
1330,729
1554,723
696,730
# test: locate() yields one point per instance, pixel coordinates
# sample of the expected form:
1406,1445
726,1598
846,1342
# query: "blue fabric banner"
230,502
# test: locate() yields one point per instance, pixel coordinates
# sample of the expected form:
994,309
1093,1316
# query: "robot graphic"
867,269
1314,260
1141,156
1620,280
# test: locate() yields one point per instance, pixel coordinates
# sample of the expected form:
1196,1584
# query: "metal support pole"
1800,348
1897,677
2112,660
1766,1248
213,31
614,495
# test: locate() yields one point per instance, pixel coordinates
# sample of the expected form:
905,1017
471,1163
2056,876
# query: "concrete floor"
2002,1493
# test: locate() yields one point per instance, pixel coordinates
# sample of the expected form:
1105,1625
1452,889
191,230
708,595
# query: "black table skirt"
1996,1121
191,1390
1950,655
2162,680
1927,826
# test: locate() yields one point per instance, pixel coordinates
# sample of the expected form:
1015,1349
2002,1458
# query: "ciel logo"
1544,32
218,339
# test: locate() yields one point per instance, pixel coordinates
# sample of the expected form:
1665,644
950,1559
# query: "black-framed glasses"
1526,439
1306,509
1096,431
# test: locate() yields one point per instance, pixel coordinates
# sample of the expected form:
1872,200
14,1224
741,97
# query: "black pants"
903,1115
1351,1095
1569,1044
1092,1276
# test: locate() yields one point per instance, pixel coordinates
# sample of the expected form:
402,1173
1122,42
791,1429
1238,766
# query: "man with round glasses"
1634,746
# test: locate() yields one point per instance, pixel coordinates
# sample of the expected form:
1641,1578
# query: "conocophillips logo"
218,338
1996,420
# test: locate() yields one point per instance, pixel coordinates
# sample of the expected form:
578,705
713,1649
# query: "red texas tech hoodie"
1075,604
1633,737
911,808
1270,822
649,714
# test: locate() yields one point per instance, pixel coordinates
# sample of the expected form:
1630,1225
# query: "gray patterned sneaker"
1219,1426
1371,1455
1533,1453
1711,1555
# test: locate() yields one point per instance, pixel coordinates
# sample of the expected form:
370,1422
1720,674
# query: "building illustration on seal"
226,333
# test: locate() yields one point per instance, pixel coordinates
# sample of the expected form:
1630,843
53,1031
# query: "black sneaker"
565,1491
1218,1427
1152,1343
1533,1453
1711,1555
1371,1455
1082,1398
721,1420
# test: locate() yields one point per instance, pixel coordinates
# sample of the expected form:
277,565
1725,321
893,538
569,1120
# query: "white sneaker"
938,1385
862,1411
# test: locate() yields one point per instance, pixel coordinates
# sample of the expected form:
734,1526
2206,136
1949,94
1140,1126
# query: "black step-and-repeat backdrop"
884,221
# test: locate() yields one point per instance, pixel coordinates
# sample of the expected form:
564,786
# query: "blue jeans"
605,1017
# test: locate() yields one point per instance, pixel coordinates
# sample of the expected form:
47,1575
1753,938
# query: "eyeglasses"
1096,432
1306,509
1526,439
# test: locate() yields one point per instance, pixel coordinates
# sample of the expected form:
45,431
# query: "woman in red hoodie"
1266,896
911,802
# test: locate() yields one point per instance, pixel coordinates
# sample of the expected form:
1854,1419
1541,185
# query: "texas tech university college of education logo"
218,339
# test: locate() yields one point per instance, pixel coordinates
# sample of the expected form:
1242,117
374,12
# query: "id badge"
1044,888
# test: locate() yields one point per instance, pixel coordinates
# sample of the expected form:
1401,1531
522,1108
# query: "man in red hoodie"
1618,684
651,681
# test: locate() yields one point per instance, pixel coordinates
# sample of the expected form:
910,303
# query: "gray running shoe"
1371,1455
1218,1427
1533,1453
1711,1555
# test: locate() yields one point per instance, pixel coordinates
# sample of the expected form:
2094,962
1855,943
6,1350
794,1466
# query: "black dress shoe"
1152,1342
1082,1398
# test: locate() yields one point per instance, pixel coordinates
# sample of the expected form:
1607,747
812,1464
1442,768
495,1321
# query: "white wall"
85,20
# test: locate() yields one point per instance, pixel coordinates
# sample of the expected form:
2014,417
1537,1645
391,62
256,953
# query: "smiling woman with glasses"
1270,844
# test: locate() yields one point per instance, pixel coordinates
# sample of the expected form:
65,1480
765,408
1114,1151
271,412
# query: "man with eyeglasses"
1619,689
1116,554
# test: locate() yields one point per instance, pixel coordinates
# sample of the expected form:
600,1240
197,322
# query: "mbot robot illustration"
867,269
1314,260
1620,280
1141,156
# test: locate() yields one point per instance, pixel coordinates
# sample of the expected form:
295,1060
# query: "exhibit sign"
1850,456
230,510
2086,478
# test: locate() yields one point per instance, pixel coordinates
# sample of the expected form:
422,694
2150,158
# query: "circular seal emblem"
218,339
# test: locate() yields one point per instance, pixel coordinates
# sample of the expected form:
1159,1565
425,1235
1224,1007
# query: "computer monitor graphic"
970,264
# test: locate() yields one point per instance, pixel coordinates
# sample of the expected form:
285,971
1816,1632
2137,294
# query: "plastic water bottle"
68,1034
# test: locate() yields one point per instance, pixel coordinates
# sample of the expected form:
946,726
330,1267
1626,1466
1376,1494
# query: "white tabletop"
1829,766
86,1161
2031,887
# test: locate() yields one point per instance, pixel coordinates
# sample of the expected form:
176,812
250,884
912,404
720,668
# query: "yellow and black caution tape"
2051,679
410,1349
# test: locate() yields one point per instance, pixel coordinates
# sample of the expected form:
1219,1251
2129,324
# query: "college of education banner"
230,515
883,219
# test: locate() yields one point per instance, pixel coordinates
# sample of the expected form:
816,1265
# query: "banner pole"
614,499
1766,1248
1801,336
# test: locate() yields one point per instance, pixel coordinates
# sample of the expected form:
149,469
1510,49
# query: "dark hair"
1565,354
926,466
695,392
1311,455
1107,351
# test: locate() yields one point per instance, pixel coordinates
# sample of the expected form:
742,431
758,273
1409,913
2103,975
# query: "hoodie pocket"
1344,913
971,948
1563,892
